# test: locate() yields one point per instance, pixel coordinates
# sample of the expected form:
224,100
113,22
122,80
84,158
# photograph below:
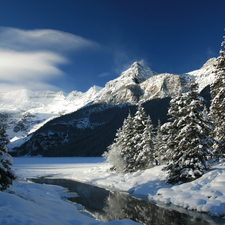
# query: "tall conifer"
160,146
188,142
6,174
217,108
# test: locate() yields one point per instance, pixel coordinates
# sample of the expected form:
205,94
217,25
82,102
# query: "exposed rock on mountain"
126,88
141,83
163,85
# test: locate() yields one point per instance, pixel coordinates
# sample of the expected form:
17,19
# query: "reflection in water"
107,206
91,197
120,206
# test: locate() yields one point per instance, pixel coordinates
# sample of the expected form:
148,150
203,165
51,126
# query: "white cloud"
29,58
143,62
30,85
17,66
29,70
42,39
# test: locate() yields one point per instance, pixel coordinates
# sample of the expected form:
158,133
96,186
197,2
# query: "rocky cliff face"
163,85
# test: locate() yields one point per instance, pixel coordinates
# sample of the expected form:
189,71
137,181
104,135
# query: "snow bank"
29,203
206,194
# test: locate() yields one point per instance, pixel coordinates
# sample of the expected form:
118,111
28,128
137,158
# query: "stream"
107,206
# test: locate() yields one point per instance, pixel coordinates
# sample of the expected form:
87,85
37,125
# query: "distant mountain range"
84,124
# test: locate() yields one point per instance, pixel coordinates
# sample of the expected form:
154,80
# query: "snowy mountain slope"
163,85
89,130
25,111
126,87
140,83
205,75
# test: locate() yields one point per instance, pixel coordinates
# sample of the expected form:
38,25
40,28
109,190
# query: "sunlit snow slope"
24,111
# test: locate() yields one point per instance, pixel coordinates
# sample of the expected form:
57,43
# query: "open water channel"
108,205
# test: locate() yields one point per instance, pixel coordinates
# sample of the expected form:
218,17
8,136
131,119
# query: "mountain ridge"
137,84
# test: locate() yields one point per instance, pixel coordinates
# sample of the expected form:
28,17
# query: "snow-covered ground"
35,204
28,203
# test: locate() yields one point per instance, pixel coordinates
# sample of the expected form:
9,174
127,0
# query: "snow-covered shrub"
6,174
114,158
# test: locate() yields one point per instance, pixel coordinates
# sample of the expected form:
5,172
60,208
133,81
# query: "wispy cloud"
28,58
211,53
42,39
106,74
123,61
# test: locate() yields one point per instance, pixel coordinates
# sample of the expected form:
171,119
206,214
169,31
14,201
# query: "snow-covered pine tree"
120,152
145,157
211,124
6,174
188,142
159,148
217,108
141,142
133,146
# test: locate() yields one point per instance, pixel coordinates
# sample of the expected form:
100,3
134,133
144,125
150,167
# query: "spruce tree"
139,123
120,152
217,108
145,157
160,147
188,141
133,146
142,141
127,145
6,174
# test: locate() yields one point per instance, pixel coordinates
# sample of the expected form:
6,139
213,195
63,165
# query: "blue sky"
74,44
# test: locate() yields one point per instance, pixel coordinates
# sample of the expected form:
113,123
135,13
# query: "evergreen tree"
139,123
159,148
6,174
120,152
217,108
126,144
145,157
133,146
141,141
188,141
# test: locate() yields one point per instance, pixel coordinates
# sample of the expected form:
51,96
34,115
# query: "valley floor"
29,203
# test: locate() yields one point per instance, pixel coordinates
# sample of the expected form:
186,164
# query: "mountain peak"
136,64
138,72
210,62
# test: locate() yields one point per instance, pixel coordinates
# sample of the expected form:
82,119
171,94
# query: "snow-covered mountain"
140,83
205,75
26,111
